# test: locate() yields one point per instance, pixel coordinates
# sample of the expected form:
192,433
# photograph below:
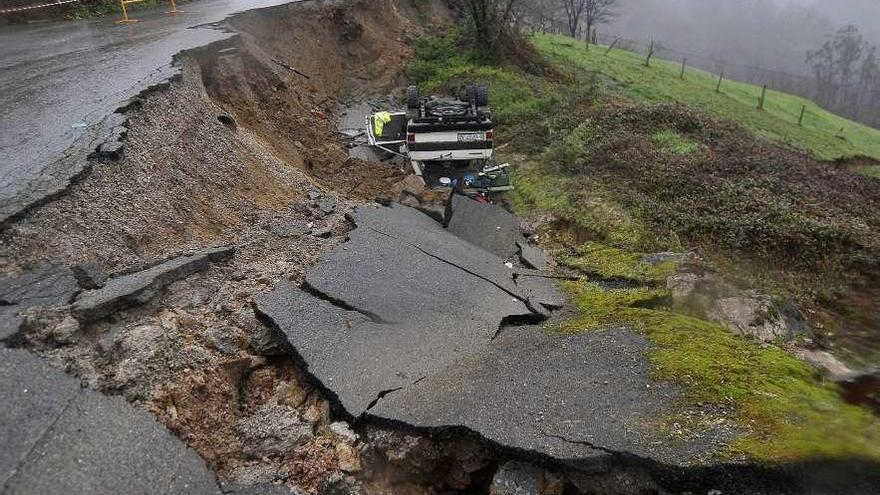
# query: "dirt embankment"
192,176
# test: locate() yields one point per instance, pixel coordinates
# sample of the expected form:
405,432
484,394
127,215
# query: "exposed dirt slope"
187,179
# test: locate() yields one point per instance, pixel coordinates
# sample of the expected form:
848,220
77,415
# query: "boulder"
273,429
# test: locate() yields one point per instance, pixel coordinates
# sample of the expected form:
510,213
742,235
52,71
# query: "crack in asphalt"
528,303
313,291
381,395
582,442
43,434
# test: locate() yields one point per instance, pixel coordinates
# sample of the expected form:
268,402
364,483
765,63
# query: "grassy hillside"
820,135
623,172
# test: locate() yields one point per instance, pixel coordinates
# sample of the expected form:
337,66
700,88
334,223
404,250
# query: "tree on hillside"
574,10
490,19
598,12
849,45
822,62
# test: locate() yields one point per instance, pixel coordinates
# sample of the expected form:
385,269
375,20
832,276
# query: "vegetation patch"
782,408
443,64
631,176
671,142
612,263
823,134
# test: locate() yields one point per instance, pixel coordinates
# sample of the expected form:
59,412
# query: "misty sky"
773,34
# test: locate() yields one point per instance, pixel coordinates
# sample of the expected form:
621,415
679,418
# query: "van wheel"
481,96
413,101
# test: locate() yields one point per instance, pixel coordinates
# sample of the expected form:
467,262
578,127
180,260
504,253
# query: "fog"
770,34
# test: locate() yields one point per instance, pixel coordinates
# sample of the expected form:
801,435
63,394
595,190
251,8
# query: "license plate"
467,137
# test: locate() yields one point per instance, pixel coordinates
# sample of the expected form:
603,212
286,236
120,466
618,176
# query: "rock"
517,478
339,484
89,275
273,430
323,233
315,194
67,331
485,225
826,363
682,285
532,257
224,339
264,342
291,229
757,316
138,288
327,205
411,185
59,438
348,458
747,313
656,258
343,431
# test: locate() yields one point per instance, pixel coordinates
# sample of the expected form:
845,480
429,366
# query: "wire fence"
858,101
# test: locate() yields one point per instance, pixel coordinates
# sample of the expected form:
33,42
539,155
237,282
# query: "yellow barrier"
126,20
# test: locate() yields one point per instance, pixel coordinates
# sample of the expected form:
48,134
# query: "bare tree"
574,10
490,19
597,12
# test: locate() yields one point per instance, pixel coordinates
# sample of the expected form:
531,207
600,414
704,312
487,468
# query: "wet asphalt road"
61,79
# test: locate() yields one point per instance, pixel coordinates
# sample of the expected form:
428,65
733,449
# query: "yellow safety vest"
379,121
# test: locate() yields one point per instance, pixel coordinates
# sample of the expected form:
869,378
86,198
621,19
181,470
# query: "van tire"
413,101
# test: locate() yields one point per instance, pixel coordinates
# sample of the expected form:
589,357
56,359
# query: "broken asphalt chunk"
59,438
138,288
44,285
532,257
485,225
407,322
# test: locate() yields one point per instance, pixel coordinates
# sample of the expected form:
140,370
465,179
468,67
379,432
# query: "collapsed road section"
410,323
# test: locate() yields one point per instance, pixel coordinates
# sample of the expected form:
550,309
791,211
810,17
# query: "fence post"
763,94
650,54
801,118
720,78
683,65
612,46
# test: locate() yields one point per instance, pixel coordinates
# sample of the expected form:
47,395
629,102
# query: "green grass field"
820,135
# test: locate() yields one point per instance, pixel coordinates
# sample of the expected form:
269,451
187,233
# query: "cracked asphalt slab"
62,80
59,438
409,323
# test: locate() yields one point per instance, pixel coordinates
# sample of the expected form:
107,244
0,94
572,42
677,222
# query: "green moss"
610,262
671,142
783,410
872,171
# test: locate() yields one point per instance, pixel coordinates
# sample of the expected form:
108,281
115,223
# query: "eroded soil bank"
241,151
